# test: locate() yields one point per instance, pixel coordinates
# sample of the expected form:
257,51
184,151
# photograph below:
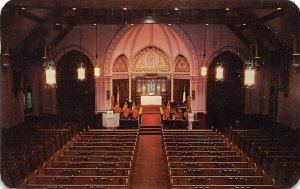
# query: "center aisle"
150,165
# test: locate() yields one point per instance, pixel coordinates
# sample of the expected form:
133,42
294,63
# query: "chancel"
150,94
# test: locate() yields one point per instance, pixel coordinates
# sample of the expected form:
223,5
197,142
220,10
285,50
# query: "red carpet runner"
150,170
151,116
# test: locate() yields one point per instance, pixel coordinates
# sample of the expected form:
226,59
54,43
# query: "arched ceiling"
140,36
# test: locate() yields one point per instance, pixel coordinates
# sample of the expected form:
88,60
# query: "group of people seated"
126,112
175,113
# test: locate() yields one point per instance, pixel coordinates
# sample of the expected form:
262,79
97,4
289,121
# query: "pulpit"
111,120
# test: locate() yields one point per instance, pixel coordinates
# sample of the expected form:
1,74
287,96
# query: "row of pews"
93,159
21,153
205,159
279,155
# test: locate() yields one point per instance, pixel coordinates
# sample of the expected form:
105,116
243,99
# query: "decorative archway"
120,64
75,48
182,64
230,49
151,60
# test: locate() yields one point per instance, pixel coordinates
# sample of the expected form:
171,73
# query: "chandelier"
81,68
249,74
204,67
249,70
96,68
50,71
220,69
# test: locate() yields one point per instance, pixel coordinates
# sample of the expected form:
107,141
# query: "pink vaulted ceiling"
140,36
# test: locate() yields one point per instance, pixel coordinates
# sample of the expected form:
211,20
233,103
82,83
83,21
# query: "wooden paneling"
179,86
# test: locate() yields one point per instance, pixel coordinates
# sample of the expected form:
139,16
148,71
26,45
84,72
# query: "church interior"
169,94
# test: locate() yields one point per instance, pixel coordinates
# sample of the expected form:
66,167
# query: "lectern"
111,120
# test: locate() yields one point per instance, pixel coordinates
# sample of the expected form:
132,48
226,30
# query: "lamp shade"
249,79
97,71
81,73
50,76
219,72
203,70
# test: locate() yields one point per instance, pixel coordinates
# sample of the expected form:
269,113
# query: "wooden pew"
107,139
195,143
103,137
74,186
57,180
68,164
214,172
94,158
98,153
208,164
184,139
218,180
204,158
104,143
200,153
87,171
227,186
103,148
11,176
20,165
198,148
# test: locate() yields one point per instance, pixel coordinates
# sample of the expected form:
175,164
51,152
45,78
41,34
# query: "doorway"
75,99
225,99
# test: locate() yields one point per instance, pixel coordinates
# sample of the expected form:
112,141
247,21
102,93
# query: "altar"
151,90
151,100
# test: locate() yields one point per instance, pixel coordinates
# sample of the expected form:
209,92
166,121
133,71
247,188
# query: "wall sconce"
219,72
249,79
81,72
5,60
296,62
203,70
97,71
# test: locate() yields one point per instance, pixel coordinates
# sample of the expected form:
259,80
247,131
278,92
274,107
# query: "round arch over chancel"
131,40
151,60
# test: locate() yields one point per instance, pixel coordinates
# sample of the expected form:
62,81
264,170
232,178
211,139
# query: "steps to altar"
151,116
150,130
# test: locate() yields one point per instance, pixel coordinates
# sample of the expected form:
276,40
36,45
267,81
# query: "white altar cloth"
151,100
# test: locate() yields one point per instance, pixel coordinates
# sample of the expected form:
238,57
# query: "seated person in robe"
135,112
117,108
167,113
179,113
185,115
126,111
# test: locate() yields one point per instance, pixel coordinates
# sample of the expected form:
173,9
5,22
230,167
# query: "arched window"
27,93
120,64
182,65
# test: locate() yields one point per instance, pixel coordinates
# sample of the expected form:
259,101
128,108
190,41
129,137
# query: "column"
172,87
129,87
192,87
53,101
98,95
107,92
